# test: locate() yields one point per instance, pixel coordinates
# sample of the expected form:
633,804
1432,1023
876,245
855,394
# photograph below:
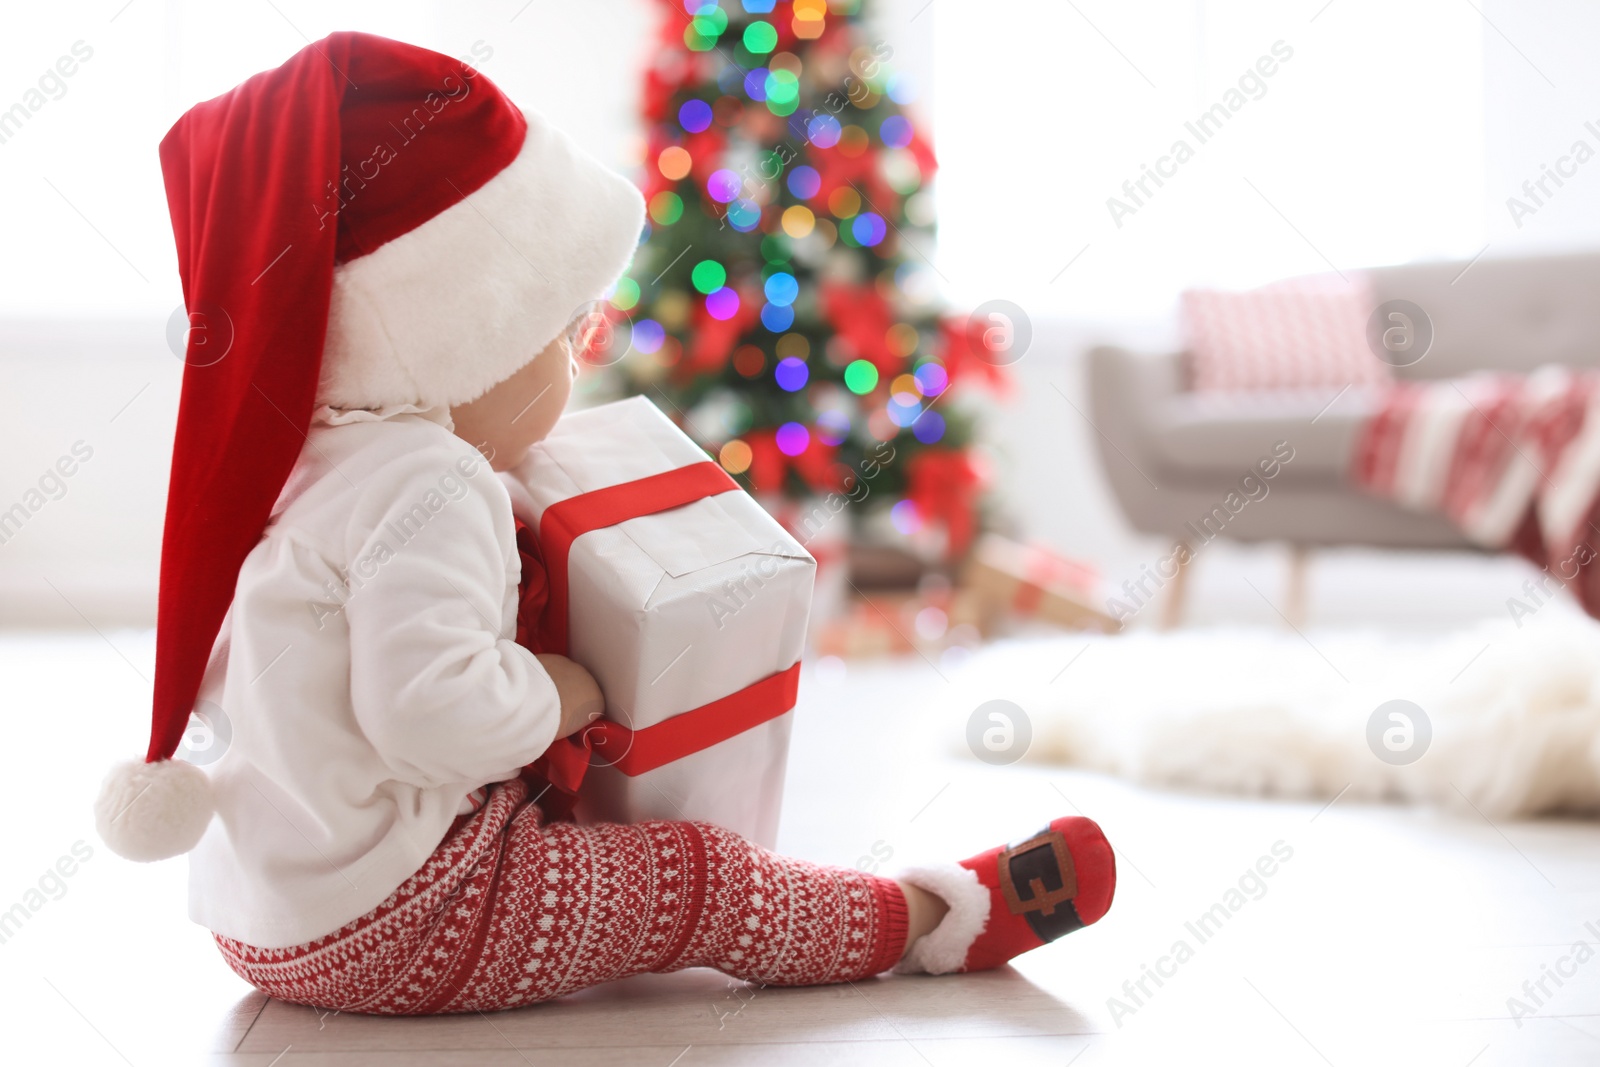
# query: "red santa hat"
369,224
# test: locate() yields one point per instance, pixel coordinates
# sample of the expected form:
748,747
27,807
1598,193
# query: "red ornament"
839,171
861,315
922,151
967,357
711,340
705,152
944,484
769,466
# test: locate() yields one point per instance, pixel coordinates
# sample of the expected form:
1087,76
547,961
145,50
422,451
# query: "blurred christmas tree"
780,306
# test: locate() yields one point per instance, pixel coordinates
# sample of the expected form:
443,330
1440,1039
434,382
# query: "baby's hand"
581,701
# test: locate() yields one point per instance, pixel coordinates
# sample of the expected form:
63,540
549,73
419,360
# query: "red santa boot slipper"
1008,900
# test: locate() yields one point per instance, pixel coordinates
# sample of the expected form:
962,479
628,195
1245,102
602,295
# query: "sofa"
1172,455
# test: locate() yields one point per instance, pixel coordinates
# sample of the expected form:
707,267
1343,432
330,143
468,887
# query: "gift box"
891,624
1031,581
688,604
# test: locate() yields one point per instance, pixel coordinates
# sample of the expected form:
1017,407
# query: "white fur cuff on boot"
945,948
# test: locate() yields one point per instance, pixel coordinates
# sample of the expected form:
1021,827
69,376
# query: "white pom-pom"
153,811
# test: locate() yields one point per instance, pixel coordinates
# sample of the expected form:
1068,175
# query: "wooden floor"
1388,935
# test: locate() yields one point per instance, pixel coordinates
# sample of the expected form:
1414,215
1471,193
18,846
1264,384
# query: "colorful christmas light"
723,185
905,516
749,360
793,438
833,427
861,377
777,317
666,207
648,335
868,228
708,276
760,37
694,116
743,215
798,221
782,90
895,131
722,304
735,457
931,379
791,374
625,294
673,163
903,412
928,427
781,288
823,131
804,182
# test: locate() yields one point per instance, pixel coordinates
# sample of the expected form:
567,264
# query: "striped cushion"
1298,334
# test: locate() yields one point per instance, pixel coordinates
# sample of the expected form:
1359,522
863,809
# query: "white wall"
1352,136
90,552
86,225
1542,88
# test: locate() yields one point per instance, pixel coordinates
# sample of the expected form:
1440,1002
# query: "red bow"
965,355
705,150
837,171
533,591
863,317
943,484
922,152
556,775
769,466
711,340
672,70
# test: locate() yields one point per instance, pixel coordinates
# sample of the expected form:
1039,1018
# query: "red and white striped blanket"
1514,460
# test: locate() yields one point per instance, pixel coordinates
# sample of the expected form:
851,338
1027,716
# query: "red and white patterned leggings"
510,910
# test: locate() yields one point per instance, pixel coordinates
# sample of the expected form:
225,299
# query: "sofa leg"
1296,600
1178,588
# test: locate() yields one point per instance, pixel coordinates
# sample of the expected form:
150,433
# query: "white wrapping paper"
672,611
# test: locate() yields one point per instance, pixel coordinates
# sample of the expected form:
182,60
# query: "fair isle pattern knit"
1512,459
510,910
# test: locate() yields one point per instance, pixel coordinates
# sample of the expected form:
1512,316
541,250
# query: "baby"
398,254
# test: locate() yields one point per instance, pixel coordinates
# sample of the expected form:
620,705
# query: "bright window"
1364,145
86,228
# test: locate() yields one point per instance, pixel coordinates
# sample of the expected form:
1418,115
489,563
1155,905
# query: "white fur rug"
1515,714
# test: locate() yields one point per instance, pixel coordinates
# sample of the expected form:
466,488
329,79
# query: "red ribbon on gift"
633,752
542,626
567,520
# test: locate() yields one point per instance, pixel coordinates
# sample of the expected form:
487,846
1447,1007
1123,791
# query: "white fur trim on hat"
440,314
945,948
153,811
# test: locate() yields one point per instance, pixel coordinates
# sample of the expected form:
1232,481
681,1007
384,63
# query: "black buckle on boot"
1039,882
